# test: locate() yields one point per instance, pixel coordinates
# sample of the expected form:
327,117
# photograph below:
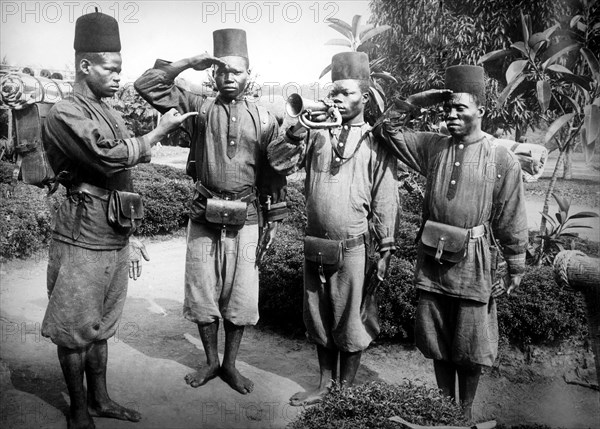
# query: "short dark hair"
93,57
364,85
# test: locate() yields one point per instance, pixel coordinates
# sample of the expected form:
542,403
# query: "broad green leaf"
385,75
365,28
581,26
584,215
510,88
536,41
544,94
581,81
374,32
524,27
548,32
588,149
592,122
515,69
376,96
559,54
355,25
559,217
341,27
574,20
339,42
325,71
592,62
578,225
562,202
559,69
549,219
520,46
557,125
494,55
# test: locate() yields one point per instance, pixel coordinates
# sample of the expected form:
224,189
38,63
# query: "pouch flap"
226,212
130,205
453,238
323,250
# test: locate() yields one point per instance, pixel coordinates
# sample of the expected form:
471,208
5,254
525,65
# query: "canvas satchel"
446,243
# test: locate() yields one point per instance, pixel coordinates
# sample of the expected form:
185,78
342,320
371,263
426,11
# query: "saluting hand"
429,97
204,61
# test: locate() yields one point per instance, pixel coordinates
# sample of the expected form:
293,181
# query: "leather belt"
353,242
247,196
477,231
90,189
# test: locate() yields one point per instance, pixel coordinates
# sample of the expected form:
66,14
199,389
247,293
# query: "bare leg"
208,335
98,399
349,363
445,375
468,380
328,360
229,373
72,364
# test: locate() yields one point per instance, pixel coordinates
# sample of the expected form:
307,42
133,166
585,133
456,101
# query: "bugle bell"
303,109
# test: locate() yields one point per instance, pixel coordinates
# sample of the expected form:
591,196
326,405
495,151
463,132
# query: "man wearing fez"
473,200
350,182
233,180
90,149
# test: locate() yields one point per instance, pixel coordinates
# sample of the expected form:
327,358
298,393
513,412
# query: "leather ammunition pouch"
444,242
226,213
125,211
324,252
328,254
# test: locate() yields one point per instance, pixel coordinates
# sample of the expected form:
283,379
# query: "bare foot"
113,410
309,398
80,420
202,376
236,380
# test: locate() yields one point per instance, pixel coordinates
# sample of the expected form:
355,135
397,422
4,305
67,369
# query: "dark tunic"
229,156
86,138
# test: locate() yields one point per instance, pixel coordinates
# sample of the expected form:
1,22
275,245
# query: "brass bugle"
296,106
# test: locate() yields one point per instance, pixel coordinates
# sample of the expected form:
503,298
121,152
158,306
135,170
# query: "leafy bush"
25,220
26,212
281,281
371,405
166,192
539,311
397,298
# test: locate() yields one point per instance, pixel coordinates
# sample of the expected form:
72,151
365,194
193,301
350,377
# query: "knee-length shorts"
221,276
86,291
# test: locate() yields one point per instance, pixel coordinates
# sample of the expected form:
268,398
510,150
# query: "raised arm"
287,153
78,136
157,85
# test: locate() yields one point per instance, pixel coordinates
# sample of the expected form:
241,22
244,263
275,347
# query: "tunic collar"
83,90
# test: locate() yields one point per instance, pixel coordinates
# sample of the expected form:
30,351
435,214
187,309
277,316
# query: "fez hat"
350,65
230,42
467,79
97,32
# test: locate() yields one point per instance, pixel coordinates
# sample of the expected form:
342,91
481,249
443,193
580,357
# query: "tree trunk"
568,163
576,270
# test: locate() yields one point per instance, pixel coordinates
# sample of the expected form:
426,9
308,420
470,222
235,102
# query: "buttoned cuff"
138,150
170,72
387,243
292,138
516,263
277,212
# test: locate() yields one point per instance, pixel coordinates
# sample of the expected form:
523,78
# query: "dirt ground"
155,347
